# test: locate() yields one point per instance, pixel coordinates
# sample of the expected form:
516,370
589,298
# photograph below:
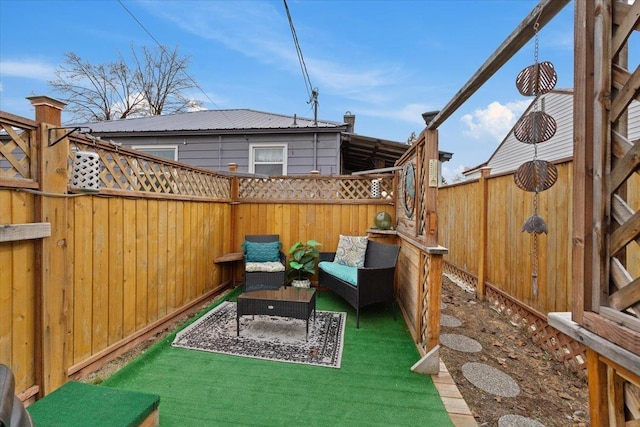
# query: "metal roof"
212,120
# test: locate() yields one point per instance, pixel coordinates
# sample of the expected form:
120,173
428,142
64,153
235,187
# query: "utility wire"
195,84
311,91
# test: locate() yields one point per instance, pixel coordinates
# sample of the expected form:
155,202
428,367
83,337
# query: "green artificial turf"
374,386
77,405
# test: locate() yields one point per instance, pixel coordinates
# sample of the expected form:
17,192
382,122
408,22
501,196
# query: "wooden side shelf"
230,258
234,256
379,231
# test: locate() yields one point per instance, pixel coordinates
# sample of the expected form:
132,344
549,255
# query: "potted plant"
302,262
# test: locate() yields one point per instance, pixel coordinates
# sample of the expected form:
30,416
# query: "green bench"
80,404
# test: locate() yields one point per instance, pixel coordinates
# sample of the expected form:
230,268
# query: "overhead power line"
311,91
195,84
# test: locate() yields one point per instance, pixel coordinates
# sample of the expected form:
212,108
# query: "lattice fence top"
16,139
123,169
316,188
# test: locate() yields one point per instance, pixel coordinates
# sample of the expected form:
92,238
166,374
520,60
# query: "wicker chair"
256,280
375,279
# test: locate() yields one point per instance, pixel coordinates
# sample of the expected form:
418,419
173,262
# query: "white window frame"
151,148
285,150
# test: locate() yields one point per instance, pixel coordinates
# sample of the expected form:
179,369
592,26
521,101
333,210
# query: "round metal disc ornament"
537,79
536,176
535,127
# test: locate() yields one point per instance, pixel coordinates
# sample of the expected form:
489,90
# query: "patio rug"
268,337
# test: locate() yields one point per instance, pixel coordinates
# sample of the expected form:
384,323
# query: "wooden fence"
86,274
481,222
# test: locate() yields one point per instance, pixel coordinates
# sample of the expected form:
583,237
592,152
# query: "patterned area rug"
267,337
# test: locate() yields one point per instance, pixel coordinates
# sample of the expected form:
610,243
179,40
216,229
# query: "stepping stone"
460,343
490,379
517,421
449,321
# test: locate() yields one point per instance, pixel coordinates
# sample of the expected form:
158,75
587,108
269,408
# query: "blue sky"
387,62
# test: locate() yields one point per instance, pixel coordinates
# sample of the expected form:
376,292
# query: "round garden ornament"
382,220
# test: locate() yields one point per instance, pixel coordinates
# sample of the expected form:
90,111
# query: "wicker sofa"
374,283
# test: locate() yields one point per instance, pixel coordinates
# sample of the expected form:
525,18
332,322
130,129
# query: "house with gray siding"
511,153
257,142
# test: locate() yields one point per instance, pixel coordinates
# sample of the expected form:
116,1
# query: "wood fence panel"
17,291
153,265
322,222
129,267
6,278
407,281
116,271
82,279
141,256
459,224
100,281
163,265
509,250
170,288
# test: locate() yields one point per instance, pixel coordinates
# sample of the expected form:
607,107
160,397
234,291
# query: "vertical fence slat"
130,260
116,264
100,272
83,272
153,233
142,263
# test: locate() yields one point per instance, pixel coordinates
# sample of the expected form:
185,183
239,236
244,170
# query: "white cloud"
495,121
453,175
30,69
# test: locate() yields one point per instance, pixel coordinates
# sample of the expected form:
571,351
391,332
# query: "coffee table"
288,301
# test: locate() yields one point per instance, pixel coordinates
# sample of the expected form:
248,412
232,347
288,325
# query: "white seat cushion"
265,267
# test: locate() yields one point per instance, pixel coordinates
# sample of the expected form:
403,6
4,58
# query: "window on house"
268,159
164,182
167,151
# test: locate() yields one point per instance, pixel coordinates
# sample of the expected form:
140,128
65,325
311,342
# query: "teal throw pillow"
262,252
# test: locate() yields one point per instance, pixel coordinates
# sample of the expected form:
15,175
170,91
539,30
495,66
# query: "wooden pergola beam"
542,14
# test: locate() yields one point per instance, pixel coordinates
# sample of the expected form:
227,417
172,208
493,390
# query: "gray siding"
216,152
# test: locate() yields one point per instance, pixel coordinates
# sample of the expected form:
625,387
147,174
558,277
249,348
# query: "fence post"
482,247
430,188
235,191
54,290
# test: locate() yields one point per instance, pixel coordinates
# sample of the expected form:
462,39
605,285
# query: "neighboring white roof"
214,120
511,153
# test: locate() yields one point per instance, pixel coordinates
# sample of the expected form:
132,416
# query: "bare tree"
116,90
163,79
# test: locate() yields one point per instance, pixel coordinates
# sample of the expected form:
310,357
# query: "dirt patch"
113,366
550,393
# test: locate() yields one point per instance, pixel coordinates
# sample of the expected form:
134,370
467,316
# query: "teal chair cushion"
262,252
341,271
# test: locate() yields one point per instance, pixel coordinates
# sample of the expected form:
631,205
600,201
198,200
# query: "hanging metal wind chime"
534,128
